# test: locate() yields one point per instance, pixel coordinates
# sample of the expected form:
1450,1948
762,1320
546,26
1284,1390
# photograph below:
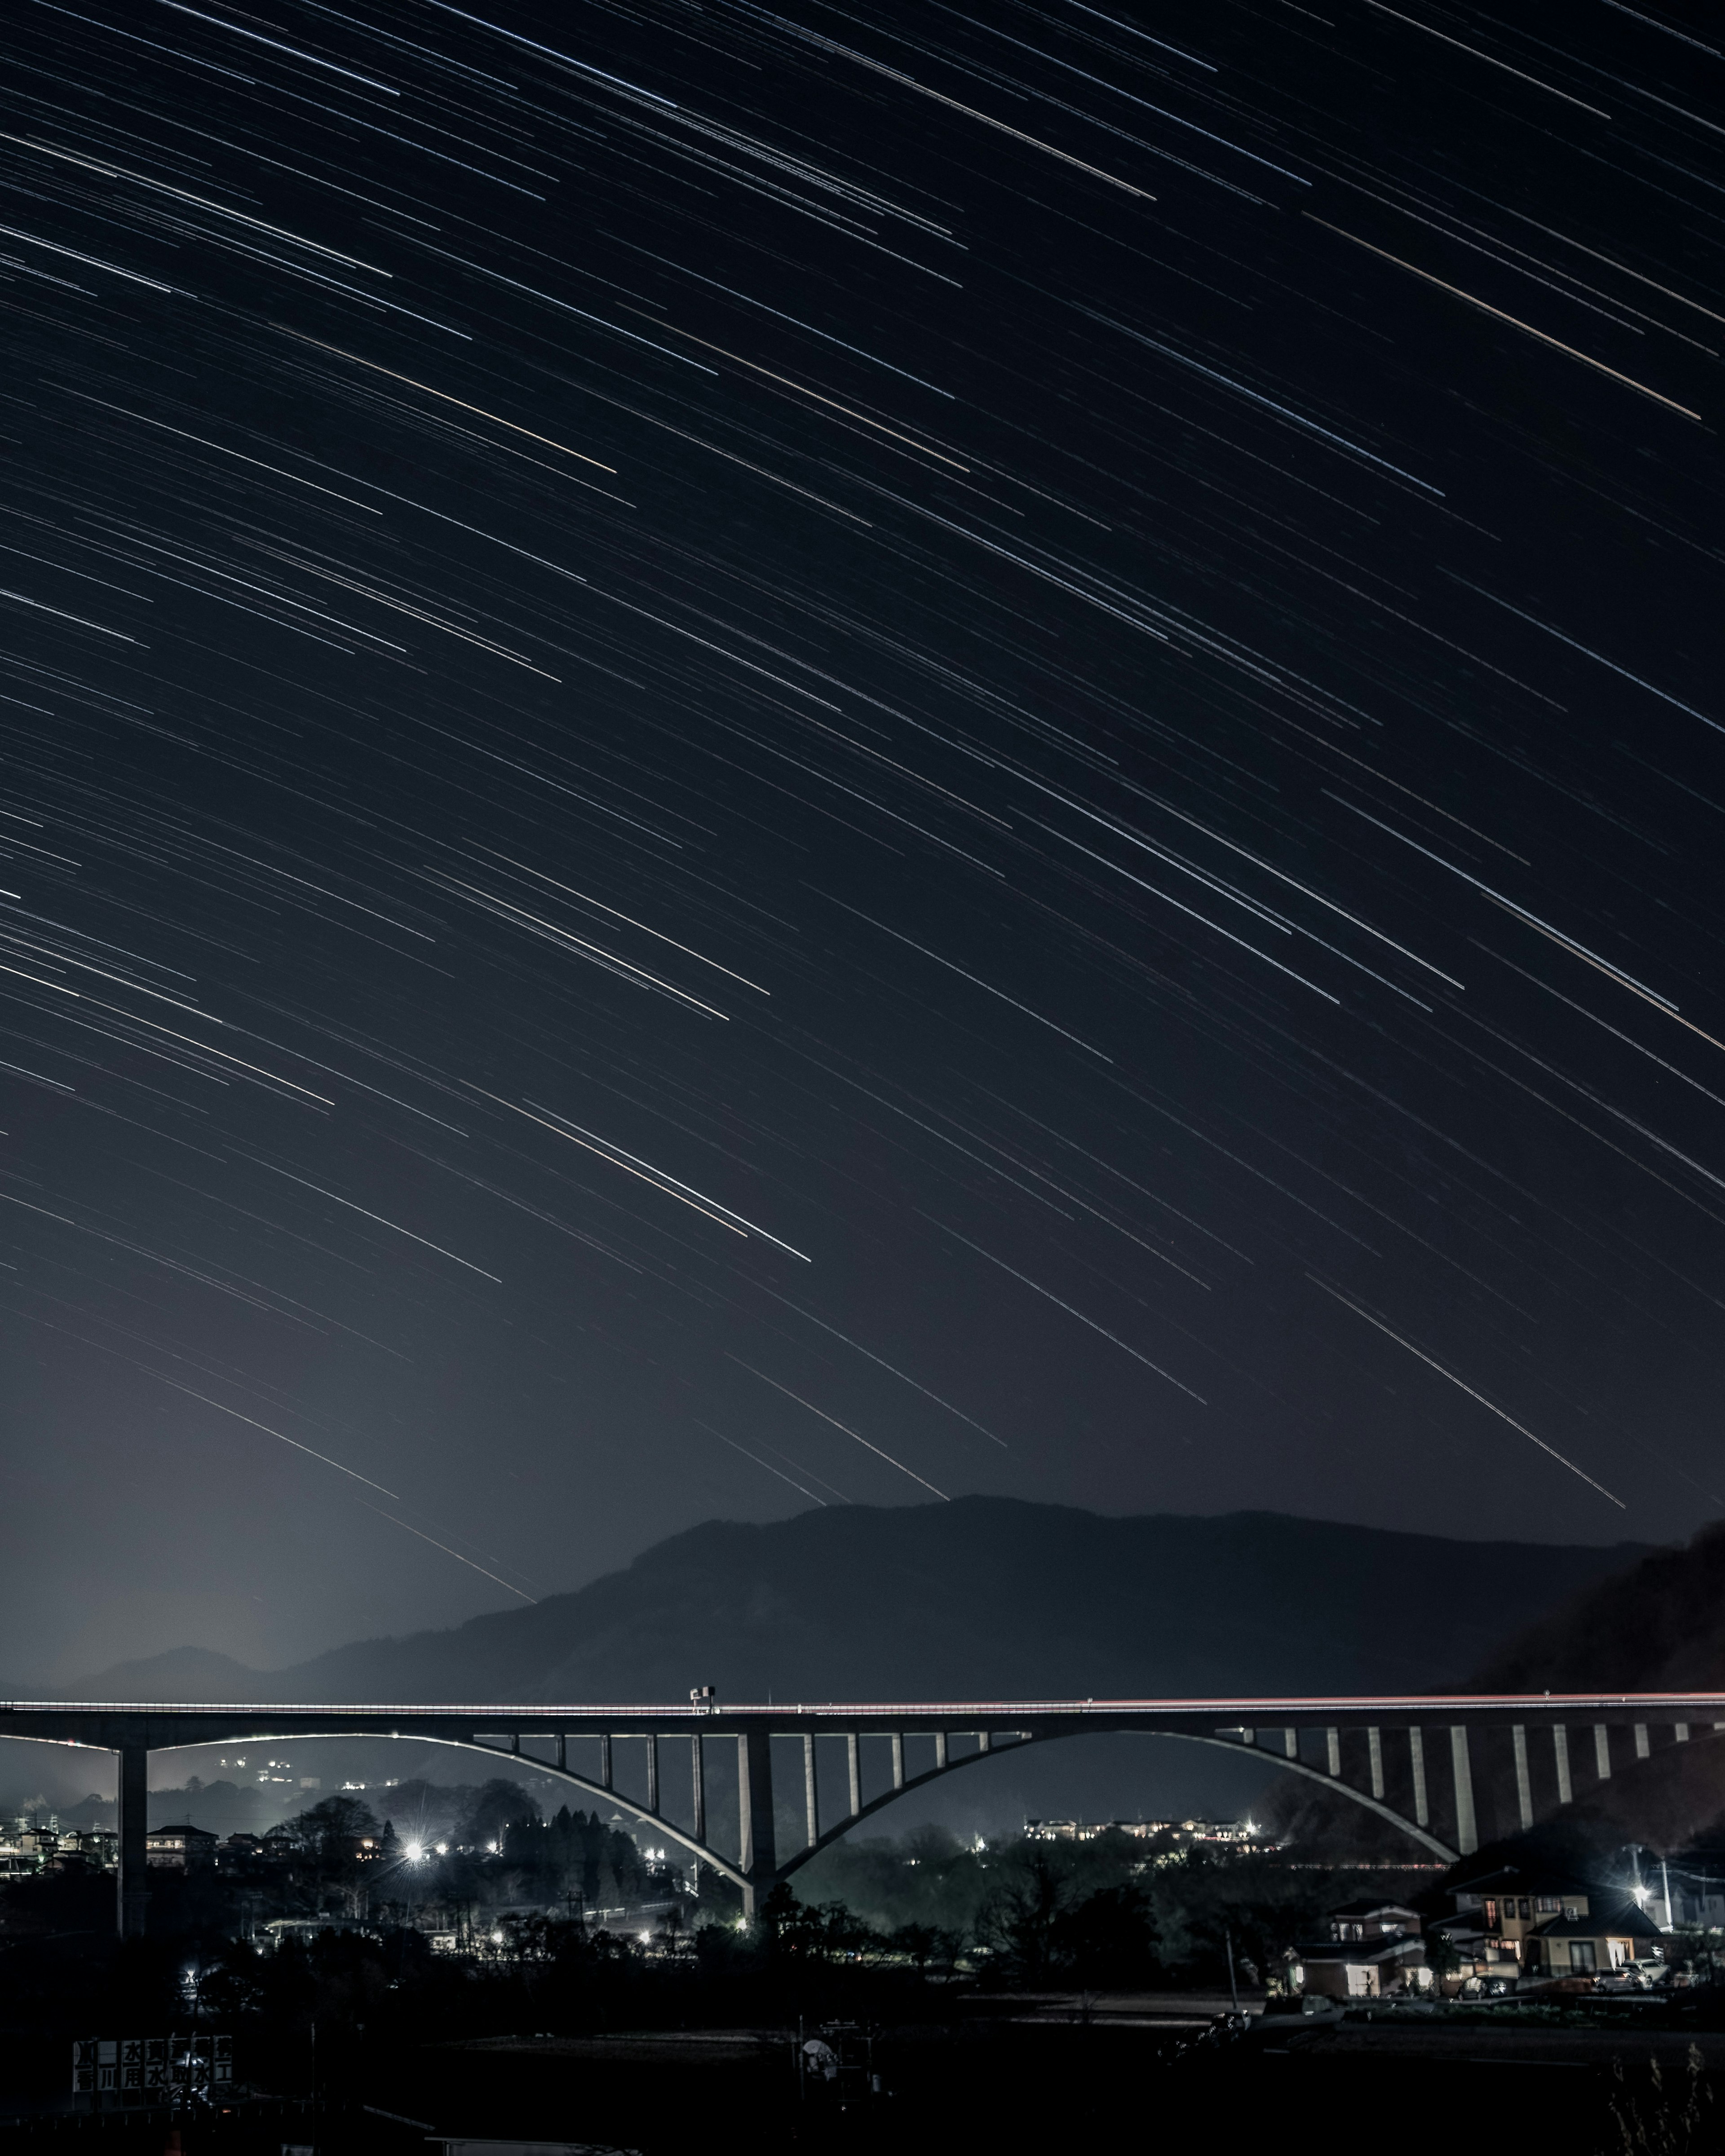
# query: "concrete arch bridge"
1413,1762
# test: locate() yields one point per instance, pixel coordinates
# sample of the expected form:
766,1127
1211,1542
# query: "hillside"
1657,1625
984,1597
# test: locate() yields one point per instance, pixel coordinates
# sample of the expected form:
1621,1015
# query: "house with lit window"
1373,1948
1592,1941
1536,1928
180,1848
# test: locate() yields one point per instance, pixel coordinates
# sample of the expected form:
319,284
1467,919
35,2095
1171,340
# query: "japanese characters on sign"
160,2066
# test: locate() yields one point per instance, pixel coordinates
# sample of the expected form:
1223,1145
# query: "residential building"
1520,1924
1594,1941
1373,1948
1359,1921
180,1848
1234,1833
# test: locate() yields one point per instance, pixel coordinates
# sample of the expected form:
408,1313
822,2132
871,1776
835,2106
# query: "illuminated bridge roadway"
1413,1761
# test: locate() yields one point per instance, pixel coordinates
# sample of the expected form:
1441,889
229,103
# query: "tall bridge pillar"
754,1805
134,1824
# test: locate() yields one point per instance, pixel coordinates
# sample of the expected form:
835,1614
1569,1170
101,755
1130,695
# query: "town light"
414,1852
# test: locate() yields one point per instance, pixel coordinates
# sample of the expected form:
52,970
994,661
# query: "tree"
496,1807
1441,1956
1017,1923
337,1822
1108,1939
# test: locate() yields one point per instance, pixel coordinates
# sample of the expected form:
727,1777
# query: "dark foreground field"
1028,2073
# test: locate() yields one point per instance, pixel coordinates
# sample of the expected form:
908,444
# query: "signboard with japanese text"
157,2069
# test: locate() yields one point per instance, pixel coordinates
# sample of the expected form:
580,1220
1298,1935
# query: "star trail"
759,757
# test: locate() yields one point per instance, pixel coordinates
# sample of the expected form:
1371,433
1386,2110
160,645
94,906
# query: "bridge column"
853,1759
1642,1747
604,1762
562,1755
811,1794
898,1758
1291,1743
1467,1838
1374,1745
698,1771
1524,1785
754,1801
134,1824
1560,1748
940,1749
1332,1750
652,1773
1602,1751
1416,1754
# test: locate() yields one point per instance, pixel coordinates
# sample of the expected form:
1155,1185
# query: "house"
180,1848
1594,1940
1374,1947
1374,1920
1526,1925
1364,1968
84,1849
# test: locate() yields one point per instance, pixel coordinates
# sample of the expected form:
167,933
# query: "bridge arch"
1333,1782
656,1820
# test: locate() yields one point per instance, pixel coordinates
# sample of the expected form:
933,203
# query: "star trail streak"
978,738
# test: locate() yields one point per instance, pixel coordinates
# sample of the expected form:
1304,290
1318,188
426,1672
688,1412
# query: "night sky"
758,759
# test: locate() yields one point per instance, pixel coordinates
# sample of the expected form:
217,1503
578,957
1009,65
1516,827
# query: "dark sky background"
768,758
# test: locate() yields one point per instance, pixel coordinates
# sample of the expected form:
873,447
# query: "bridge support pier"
134,1821
1524,1783
758,1860
1416,1758
1467,1838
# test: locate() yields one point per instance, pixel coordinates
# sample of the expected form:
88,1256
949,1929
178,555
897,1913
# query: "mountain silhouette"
985,1597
